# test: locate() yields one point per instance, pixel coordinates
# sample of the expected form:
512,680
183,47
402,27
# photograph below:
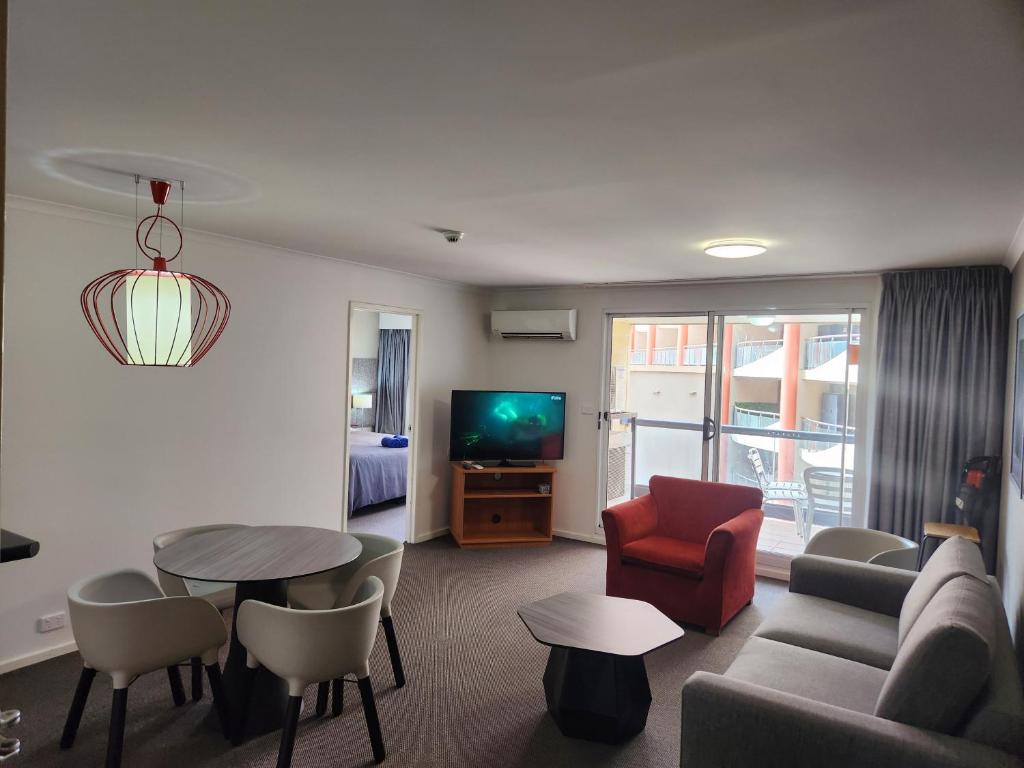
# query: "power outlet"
51,621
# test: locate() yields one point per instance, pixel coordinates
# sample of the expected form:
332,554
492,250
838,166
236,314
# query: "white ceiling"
574,141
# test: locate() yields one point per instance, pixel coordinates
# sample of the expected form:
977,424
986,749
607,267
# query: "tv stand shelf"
501,506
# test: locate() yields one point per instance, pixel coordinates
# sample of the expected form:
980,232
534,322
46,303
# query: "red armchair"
688,548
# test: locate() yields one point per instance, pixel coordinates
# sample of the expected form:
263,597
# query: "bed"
375,473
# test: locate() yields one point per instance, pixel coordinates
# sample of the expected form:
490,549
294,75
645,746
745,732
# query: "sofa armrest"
736,535
862,585
629,521
728,722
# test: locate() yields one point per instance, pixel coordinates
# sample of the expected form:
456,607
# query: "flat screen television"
507,426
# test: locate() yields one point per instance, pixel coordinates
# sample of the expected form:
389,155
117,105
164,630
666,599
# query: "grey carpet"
385,519
474,695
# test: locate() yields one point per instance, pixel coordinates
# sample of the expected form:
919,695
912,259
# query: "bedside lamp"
360,401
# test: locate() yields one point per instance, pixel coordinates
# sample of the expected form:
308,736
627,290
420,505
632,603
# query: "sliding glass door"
657,417
761,400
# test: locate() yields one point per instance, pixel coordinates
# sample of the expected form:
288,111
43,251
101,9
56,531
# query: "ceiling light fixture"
735,249
762,321
156,317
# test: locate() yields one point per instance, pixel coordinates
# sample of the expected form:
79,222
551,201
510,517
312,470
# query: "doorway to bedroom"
381,402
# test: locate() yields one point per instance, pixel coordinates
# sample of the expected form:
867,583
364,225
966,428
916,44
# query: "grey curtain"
942,341
392,380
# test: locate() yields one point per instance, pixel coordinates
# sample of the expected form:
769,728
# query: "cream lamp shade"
362,401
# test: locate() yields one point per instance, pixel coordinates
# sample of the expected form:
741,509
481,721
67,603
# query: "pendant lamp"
156,316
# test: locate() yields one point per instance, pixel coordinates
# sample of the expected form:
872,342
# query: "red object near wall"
688,548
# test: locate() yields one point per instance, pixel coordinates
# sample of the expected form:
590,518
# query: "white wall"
576,367
365,334
1010,556
97,458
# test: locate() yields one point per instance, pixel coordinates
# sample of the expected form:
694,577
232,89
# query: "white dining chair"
221,595
125,627
308,646
381,557
866,546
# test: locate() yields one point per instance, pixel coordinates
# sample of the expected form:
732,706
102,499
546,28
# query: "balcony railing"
697,354
751,417
747,352
664,356
824,427
818,350
638,357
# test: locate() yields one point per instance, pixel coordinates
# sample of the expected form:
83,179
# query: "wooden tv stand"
501,506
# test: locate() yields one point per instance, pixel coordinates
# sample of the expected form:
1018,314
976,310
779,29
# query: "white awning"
834,371
771,366
830,457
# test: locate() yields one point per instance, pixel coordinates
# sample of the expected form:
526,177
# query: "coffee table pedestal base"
597,696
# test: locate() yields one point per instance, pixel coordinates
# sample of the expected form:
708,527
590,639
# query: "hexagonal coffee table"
596,682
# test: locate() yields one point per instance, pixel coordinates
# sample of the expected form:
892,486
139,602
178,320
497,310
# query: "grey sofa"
866,666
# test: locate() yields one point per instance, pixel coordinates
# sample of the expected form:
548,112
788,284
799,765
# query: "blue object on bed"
394,441
376,473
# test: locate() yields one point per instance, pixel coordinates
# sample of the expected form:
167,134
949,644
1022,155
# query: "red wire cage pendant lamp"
156,316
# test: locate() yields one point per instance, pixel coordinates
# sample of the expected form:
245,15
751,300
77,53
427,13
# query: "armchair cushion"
664,553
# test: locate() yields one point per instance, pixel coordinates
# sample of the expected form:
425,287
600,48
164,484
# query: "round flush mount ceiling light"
735,249
762,321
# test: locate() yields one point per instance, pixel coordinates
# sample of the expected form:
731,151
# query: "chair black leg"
372,722
396,659
115,742
322,690
177,689
291,724
77,707
337,696
197,678
220,701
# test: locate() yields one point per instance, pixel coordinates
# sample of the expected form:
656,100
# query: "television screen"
520,426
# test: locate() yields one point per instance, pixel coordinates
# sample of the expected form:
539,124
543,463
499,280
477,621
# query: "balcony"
818,350
754,415
693,354
697,354
813,425
747,352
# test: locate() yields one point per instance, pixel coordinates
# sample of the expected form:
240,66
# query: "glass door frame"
707,427
715,319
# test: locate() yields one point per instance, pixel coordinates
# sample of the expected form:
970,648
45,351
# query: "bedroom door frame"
412,419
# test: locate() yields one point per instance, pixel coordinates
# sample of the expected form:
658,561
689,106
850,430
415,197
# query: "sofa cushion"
666,554
954,557
827,626
997,716
945,660
806,673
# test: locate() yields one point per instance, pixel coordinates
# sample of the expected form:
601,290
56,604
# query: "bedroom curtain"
942,341
392,380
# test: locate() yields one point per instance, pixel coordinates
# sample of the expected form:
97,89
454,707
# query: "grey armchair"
305,647
222,596
381,557
125,627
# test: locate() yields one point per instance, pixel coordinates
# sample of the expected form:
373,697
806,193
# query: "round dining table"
259,560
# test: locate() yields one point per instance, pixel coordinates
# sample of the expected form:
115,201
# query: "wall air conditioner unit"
559,324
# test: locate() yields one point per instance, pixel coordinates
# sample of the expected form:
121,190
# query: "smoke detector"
451,235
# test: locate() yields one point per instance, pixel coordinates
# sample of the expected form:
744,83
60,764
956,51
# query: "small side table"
943,531
595,682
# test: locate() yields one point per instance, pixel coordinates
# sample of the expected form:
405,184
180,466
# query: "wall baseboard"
27,660
773,571
589,538
435,534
